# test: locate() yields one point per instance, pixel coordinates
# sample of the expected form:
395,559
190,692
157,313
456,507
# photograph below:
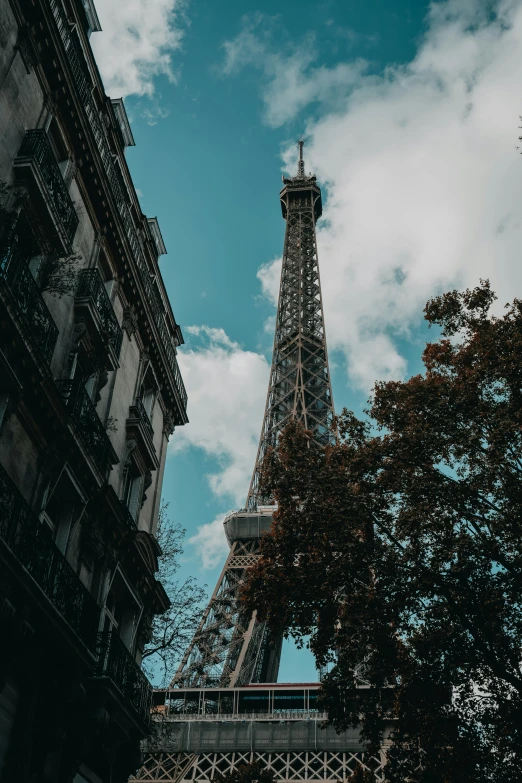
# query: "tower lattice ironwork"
232,648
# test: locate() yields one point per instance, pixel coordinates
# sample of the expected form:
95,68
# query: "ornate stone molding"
129,448
80,330
168,424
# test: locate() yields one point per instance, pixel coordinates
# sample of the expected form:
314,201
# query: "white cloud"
291,83
269,275
136,43
226,387
210,543
152,112
424,184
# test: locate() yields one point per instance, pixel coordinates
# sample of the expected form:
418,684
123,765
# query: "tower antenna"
300,164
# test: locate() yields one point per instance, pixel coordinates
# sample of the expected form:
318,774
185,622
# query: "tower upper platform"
301,189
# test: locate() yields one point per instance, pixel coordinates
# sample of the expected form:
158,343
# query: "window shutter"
135,496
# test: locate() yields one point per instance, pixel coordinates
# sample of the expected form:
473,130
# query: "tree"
173,630
399,549
246,773
361,775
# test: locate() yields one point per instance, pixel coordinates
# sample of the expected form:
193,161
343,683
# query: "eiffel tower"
231,648
224,698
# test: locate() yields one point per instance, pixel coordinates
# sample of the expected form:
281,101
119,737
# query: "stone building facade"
90,392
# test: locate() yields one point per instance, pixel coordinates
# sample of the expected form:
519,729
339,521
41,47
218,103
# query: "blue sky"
410,111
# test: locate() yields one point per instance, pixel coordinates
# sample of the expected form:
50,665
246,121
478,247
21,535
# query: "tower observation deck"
231,652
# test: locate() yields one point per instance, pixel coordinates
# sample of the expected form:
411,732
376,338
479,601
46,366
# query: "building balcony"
88,425
35,318
36,167
116,663
31,542
139,427
92,303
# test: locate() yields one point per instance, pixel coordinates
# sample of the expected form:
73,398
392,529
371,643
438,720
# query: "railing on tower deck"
91,286
31,542
84,87
88,424
271,716
15,274
116,662
37,149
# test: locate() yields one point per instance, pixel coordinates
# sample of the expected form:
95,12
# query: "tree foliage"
399,549
59,275
246,773
173,630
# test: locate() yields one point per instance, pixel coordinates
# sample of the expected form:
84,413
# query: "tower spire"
300,163
231,647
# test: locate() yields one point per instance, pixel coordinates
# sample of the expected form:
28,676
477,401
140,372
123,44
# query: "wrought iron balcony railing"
38,322
127,516
144,416
88,424
91,286
99,131
116,662
32,544
37,154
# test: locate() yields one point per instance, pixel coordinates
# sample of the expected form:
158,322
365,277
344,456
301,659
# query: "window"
90,385
148,401
86,572
122,610
63,507
59,516
133,490
60,149
90,562
110,286
36,264
93,380
148,391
